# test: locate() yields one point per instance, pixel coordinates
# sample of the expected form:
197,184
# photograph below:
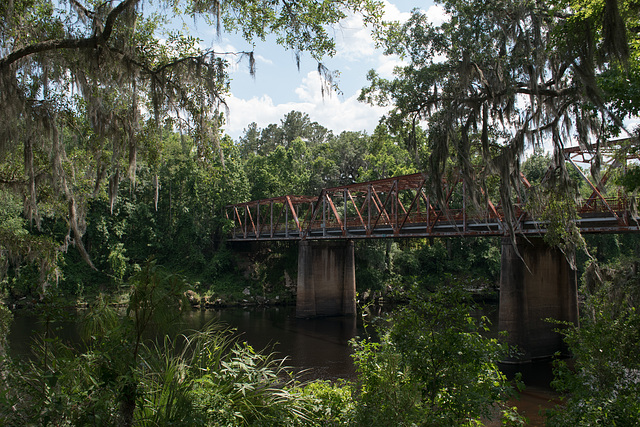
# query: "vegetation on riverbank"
114,174
209,378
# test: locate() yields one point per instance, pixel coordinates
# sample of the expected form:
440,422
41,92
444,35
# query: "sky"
278,87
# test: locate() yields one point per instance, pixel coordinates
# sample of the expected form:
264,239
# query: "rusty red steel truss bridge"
402,207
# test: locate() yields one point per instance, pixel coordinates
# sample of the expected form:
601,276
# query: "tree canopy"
86,87
501,76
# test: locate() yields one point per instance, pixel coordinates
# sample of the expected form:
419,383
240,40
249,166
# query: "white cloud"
392,13
270,96
386,64
261,110
437,15
333,112
354,41
263,59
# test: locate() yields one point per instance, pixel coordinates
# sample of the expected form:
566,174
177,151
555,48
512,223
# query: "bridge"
536,281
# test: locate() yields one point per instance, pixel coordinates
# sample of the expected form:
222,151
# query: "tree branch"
72,43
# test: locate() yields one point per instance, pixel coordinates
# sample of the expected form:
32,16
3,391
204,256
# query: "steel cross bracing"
401,207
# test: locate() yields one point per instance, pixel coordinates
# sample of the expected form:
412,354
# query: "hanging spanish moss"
84,83
97,87
499,78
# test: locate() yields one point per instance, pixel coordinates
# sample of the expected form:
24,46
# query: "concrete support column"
326,279
534,286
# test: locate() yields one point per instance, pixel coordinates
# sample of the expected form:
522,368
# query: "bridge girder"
401,207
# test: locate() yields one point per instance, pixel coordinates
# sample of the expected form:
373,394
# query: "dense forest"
114,175
180,223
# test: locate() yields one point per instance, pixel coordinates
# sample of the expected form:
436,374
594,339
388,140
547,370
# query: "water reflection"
318,346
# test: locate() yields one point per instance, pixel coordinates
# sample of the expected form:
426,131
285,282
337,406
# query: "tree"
86,87
295,124
500,75
282,171
386,158
603,385
431,366
299,125
348,152
250,141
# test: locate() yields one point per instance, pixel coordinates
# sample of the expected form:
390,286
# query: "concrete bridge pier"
326,278
538,286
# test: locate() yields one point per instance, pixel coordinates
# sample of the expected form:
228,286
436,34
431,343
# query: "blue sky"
278,87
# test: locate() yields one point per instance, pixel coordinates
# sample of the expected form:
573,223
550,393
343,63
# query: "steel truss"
401,207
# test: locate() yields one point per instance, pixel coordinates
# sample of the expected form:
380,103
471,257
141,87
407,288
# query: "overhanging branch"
70,43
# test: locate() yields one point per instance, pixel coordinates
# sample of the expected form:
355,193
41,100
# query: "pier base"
326,279
535,286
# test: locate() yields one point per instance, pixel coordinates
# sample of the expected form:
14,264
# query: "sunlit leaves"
603,385
431,367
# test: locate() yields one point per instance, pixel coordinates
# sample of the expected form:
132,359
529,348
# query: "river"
320,346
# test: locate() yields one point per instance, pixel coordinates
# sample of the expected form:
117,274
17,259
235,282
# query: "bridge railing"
401,207
400,212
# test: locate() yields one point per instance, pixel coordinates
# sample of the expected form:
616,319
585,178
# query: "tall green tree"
503,75
295,124
282,171
178,222
86,87
431,367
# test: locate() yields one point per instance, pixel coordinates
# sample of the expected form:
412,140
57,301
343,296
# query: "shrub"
432,366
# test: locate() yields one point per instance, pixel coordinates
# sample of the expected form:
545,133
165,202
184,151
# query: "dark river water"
319,346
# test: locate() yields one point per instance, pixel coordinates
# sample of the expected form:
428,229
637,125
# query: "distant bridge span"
401,207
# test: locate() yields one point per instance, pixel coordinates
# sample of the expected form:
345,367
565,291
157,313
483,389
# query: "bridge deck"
400,207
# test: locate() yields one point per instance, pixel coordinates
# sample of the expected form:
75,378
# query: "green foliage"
499,77
631,179
535,167
295,124
156,296
300,157
172,214
386,157
102,382
10,211
602,386
330,404
432,366
205,378
386,394
281,171
28,261
123,378
244,387
88,94
300,27
118,262
372,264
429,262
553,199
5,323
559,215
386,266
